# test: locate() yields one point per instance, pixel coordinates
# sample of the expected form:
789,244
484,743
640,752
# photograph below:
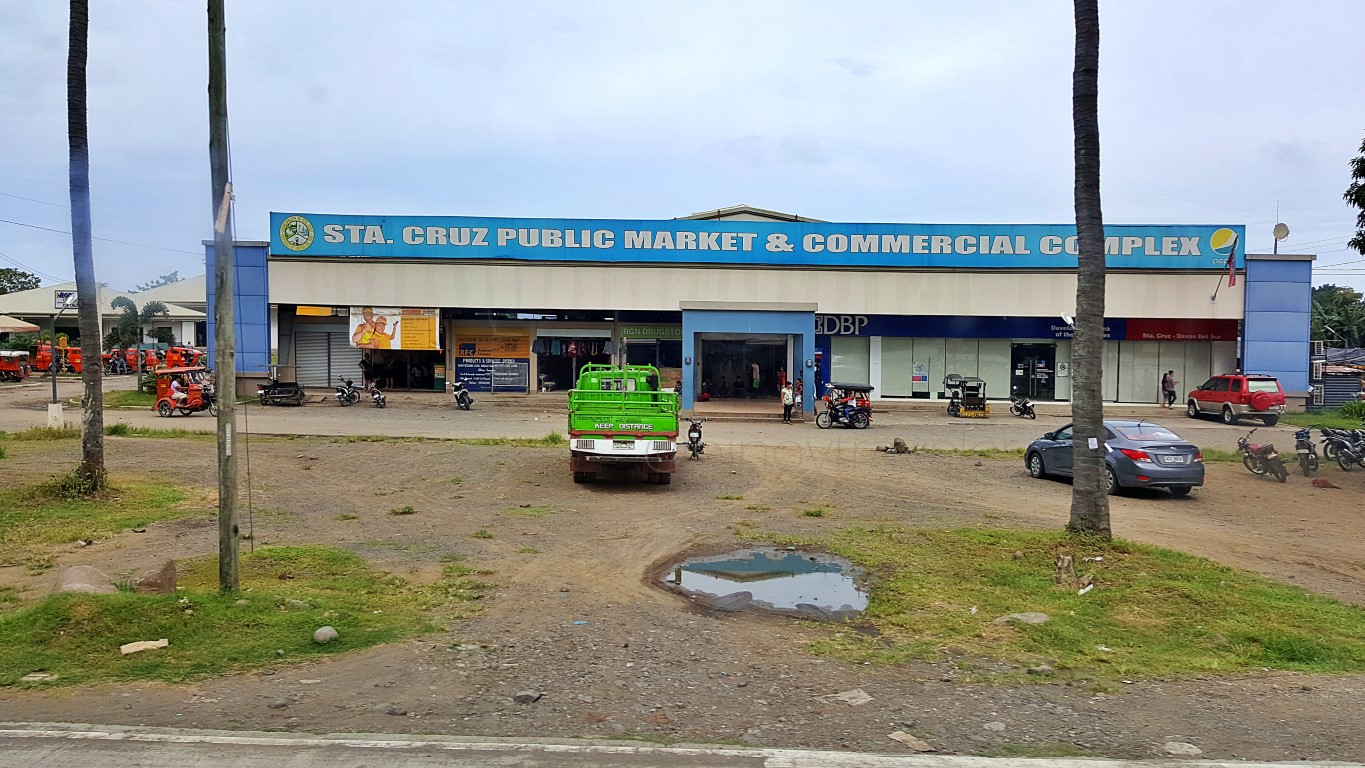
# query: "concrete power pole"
225,358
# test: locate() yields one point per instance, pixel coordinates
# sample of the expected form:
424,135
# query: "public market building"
729,302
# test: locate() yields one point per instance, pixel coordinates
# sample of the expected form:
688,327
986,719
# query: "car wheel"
1228,416
1192,410
1035,466
1271,421
1111,480
1181,490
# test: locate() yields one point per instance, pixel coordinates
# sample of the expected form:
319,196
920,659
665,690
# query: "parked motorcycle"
694,443
377,397
276,392
1261,458
1333,440
1022,407
1307,451
460,390
347,394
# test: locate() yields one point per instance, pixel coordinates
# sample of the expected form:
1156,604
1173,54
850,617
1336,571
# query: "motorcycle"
377,397
1260,459
1333,440
846,405
460,390
1022,407
347,394
1307,451
276,392
694,443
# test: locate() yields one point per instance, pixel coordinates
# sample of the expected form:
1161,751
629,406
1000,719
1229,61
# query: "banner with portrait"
394,328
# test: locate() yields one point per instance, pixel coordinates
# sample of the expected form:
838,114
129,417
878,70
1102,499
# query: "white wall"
628,287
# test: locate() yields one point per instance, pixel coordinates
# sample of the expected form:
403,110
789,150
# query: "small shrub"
456,480
2,451
758,507
345,517
554,438
1354,409
730,497
116,430
482,533
72,485
408,510
817,512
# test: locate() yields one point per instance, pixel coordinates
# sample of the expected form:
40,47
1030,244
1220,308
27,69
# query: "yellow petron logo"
296,233
1223,241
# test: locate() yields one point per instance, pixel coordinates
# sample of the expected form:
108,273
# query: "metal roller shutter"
345,359
311,355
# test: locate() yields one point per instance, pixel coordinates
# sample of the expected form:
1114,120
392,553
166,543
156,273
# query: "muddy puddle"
773,580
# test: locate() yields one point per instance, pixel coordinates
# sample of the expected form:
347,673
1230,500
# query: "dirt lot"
647,663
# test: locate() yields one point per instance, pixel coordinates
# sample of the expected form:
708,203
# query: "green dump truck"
621,422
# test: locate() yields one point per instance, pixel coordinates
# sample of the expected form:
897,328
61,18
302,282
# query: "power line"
27,268
33,200
104,239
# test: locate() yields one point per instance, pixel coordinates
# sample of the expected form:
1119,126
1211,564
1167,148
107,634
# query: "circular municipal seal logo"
296,233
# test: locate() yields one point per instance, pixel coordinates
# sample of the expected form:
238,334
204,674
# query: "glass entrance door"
1033,370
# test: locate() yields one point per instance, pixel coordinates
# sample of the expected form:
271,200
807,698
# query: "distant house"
37,306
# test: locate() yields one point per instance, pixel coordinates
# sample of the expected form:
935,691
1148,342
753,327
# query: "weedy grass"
552,440
1213,455
482,533
64,432
1332,418
404,510
127,398
130,430
76,637
729,497
34,518
1152,613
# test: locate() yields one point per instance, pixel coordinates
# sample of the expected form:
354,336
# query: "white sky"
1212,112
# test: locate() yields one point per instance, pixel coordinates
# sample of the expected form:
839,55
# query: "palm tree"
91,470
1089,492
133,322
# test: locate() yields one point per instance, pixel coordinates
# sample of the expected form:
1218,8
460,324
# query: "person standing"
757,379
788,400
1168,383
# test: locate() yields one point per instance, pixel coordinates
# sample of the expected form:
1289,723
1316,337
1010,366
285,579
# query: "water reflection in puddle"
815,585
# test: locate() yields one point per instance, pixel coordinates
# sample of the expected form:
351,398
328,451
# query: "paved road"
435,416
85,746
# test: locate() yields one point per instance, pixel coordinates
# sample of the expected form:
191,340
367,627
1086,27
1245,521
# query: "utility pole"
225,357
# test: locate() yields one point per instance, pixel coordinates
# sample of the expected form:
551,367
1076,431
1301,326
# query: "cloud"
855,67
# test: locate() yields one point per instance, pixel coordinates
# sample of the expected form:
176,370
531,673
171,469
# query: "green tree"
173,277
1090,489
1355,196
91,470
14,280
132,322
1338,316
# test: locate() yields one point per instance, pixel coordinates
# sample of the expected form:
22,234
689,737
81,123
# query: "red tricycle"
13,365
188,390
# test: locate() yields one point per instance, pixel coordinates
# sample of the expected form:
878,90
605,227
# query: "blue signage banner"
956,326
678,241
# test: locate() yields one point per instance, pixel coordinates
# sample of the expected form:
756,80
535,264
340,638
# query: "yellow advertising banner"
393,328
469,344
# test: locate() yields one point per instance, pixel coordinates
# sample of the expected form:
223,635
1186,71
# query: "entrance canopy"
744,336
15,325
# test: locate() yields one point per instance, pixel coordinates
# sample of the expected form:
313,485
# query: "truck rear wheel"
581,477
661,478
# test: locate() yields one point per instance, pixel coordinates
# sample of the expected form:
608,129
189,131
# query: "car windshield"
1262,385
1147,433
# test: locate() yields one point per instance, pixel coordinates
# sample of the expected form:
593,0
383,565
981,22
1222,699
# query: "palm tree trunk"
1089,495
92,403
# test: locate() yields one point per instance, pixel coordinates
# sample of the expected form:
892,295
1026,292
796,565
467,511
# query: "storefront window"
850,363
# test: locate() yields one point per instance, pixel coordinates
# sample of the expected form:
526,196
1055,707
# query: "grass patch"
2,451
129,430
1332,418
528,551
482,533
126,398
404,510
979,453
343,517
35,517
553,440
730,497
1159,613
64,432
456,480
76,636
816,512
1217,455
526,510
758,507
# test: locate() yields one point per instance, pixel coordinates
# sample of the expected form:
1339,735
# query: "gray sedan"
1137,454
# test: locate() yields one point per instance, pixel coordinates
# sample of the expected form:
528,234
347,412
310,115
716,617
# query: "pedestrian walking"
1168,383
788,400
